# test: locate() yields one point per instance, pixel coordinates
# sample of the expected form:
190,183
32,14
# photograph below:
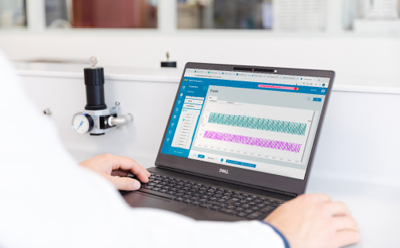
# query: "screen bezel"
245,176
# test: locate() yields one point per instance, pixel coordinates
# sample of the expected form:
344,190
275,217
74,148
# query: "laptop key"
242,214
238,196
205,205
233,200
216,207
266,209
254,215
216,203
228,211
249,211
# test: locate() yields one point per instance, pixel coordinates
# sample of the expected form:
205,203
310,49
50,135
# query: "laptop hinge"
230,181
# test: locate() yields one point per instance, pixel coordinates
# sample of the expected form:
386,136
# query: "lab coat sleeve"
47,200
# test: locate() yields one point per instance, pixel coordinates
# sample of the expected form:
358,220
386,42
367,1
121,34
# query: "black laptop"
239,142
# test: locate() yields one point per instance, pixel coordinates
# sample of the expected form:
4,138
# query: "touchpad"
138,199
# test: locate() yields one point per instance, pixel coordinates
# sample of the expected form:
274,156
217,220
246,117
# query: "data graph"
253,130
245,121
259,142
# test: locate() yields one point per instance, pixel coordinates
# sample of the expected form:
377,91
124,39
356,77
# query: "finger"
347,237
125,183
338,208
119,173
131,165
345,223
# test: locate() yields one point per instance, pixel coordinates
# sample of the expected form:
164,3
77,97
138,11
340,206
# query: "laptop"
239,142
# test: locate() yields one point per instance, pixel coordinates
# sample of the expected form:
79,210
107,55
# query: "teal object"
271,125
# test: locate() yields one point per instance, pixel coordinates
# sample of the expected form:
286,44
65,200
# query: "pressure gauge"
82,123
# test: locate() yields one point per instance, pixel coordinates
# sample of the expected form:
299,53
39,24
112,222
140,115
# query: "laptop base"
158,201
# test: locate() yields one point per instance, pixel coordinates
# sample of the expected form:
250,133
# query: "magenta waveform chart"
246,140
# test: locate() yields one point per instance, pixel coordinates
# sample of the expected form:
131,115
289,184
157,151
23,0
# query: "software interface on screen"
255,121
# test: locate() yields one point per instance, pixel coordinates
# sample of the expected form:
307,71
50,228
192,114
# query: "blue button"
240,163
249,165
317,99
200,156
233,162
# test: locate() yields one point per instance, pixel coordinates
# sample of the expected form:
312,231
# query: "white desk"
358,155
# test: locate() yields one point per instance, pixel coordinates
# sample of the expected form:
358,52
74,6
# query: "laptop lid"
248,124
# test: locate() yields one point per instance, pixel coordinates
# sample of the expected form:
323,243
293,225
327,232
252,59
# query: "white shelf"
173,75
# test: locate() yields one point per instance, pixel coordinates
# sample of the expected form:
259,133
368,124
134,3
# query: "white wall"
360,57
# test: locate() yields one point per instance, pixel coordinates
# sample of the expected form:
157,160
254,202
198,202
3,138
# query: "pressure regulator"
97,119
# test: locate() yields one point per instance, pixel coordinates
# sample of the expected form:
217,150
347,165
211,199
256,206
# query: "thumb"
125,183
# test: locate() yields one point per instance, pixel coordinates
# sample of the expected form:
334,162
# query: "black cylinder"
94,81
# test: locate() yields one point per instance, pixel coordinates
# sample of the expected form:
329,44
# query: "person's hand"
314,221
116,168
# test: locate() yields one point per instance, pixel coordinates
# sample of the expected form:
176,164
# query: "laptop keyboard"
207,196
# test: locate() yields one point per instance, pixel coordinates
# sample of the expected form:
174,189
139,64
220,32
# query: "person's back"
47,200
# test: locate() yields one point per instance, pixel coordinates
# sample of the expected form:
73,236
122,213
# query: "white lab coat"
47,200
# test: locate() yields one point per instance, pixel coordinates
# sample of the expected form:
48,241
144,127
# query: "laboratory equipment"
97,119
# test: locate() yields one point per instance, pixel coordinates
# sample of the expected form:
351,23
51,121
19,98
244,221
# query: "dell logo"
224,171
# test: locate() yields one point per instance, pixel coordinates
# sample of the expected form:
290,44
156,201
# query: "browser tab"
307,79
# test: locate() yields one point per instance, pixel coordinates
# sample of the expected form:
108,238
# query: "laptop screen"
254,121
